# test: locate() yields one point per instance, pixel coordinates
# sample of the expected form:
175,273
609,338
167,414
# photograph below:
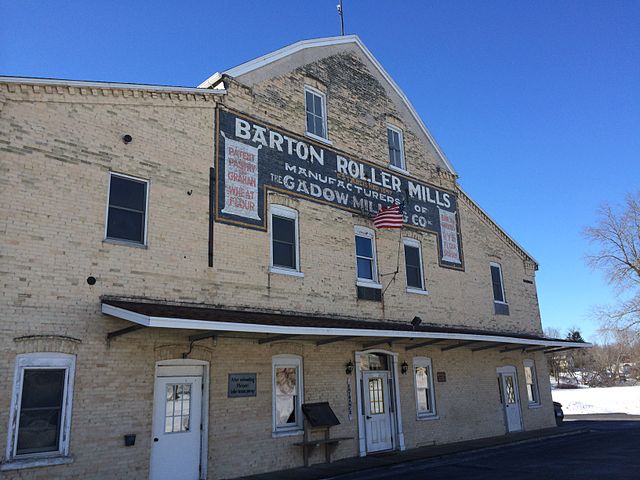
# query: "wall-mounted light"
404,368
416,321
348,368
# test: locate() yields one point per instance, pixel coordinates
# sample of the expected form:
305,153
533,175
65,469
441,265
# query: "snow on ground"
599,400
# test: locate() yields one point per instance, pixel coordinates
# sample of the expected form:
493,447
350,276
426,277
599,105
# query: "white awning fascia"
185,323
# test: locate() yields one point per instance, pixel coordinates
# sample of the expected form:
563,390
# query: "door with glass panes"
175,449
508,383
376,410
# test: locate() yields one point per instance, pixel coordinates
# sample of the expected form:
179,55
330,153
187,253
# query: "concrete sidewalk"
358,464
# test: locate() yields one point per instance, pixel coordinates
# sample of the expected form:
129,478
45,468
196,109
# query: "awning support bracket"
378,342
122,331
457,345
422,344
275,338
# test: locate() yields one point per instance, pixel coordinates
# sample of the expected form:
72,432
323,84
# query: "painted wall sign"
242,385
441,376
253,157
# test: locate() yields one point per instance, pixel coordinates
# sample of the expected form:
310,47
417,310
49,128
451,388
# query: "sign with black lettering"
242,385
441,376
253,157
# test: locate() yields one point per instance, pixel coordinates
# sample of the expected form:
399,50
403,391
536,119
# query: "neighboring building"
191,265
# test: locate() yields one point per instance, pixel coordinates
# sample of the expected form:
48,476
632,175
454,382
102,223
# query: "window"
127,209
177,408
532,382
40,414
285,257
367,272
315,108
396,147
496,280
423,376
413,266
287,393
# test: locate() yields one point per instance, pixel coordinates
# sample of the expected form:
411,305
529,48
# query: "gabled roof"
214,81
325,42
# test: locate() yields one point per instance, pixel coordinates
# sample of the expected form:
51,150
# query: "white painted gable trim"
325,42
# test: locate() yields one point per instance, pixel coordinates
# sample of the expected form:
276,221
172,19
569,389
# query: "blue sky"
537,104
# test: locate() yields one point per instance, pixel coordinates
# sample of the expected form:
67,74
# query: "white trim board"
186,323
113,85
325,42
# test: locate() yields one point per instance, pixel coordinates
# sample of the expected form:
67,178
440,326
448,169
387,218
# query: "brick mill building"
184,270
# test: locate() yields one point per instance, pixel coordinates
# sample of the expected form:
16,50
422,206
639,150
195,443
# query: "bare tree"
617,236
555,362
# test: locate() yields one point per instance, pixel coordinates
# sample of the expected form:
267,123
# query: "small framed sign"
242,385
441,376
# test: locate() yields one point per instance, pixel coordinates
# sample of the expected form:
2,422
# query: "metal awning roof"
274,326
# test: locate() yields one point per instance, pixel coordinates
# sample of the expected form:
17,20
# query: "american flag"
389,217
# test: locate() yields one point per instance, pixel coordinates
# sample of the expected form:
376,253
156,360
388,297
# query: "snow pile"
599,400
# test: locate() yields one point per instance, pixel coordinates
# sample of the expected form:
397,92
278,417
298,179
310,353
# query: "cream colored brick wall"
57,146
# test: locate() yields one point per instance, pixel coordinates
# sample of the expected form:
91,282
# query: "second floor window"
413,264
396,148
367,271
316,113
284,239
127,209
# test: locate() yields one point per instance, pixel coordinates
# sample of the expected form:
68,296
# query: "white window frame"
287,361
416,244
403,164
494,264
370,234
323,98
426,363
285,212
146,211
528,363
40,361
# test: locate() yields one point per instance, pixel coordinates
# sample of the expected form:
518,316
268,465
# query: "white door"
511,401
175,446
376,409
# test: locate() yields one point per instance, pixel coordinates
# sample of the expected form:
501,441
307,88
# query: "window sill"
287,433
427,417
313,136
535,405
417,291
399,170
368,284
126,243
500,303
286,271
33,462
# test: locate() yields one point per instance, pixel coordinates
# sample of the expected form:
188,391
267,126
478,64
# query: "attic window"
315,107
396,147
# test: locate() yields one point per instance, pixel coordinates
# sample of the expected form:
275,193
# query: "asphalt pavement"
608,450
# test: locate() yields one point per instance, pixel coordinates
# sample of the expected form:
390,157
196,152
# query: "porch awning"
272,326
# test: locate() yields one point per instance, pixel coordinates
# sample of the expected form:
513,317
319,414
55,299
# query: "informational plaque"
441,376
242,385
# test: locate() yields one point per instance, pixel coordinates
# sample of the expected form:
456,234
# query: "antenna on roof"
339,7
